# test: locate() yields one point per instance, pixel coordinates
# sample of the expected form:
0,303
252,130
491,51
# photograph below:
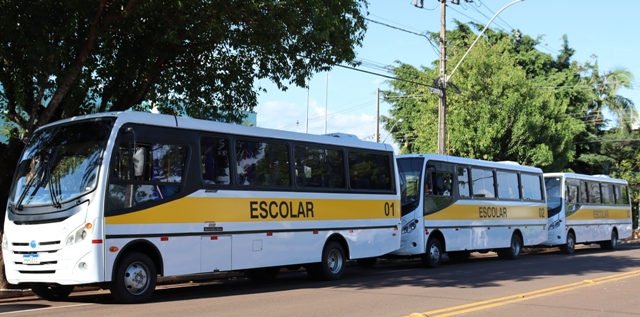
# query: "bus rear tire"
570,246
512,252
51,292
135,279
612,244
432,258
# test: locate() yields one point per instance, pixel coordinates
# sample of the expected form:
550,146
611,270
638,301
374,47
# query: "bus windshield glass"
410,171
59,163
554,198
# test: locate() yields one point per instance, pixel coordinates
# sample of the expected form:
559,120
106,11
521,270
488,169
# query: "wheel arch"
517,232
342,241
142,246
575,237
436,234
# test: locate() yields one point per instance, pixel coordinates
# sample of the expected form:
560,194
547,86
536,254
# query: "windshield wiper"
52,192
28,185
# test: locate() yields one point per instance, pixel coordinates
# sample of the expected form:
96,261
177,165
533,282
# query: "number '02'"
389,209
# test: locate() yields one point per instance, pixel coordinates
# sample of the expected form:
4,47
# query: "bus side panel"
276,249
366,243
595,223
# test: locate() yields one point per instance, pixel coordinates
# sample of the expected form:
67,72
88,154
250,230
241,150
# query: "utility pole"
442,102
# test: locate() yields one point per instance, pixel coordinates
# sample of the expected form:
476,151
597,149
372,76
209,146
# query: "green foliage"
200,58
507,108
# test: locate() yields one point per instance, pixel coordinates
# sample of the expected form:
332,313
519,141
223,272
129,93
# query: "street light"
391,130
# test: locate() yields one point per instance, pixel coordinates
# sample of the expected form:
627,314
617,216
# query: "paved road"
590,282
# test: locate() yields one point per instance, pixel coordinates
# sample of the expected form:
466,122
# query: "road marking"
461,309
41,309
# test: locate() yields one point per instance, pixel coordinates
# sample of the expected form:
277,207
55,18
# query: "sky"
606,32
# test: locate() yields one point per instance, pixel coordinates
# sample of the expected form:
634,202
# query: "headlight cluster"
79,235
555,224
410,226
5,242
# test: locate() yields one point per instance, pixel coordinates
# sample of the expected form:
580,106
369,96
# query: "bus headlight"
79,235
409,227
5,242
554,225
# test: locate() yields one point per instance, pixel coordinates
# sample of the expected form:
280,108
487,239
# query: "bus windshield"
59,163
554,198
410,171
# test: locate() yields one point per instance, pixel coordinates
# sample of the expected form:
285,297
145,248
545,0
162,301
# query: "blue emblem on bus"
33,244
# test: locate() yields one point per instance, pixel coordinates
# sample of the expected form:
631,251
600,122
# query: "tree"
197,58
506,108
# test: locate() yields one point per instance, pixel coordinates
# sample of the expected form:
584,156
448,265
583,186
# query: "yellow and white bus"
122,198
586,209
457,206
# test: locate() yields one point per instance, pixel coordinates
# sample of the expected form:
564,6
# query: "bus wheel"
333,262
611,244
263,274
570,246
367,263
513,252
51,292
433,255
135,279
459,256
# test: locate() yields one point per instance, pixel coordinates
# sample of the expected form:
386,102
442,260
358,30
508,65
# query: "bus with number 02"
457,205
120,199
586,209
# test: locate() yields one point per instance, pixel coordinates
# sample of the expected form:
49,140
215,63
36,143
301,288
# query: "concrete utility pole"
442,103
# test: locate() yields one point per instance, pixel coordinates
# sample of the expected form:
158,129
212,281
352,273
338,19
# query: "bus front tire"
51,292
135,279
433,255
512,252
570,246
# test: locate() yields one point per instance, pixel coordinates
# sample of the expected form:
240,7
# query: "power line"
433,46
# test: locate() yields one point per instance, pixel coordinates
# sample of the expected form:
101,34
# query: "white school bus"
457,206
585,209
124,198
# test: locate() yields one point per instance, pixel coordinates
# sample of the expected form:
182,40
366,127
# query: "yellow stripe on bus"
198,209
599,213
489,212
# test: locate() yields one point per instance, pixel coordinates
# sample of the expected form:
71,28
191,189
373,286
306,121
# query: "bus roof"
462,160
599,177
338,139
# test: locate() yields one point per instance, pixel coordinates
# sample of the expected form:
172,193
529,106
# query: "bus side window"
428,184
463,182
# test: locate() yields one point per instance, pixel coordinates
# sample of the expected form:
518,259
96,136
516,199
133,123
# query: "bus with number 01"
121,199
456,206
585,209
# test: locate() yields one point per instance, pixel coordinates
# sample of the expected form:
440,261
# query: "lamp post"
391,130
442,87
